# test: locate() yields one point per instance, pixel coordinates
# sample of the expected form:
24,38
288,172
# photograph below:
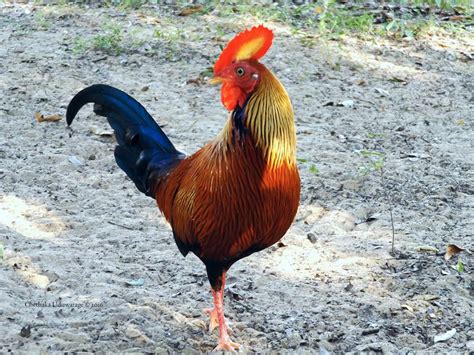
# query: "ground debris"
191,10
427,249
101,132
47,118
444,336
451,250
370,331
25,331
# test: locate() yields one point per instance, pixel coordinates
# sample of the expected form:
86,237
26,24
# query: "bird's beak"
216,80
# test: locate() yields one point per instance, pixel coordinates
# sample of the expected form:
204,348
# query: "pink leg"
212,312
224,340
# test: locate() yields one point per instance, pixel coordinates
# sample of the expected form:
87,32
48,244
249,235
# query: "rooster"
239,193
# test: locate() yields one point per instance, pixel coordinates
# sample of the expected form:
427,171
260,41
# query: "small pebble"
25,332
131,332
312,237
74,161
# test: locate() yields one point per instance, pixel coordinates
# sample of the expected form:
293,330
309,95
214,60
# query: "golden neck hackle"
270,120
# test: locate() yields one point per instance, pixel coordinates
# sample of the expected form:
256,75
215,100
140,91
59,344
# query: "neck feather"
268,117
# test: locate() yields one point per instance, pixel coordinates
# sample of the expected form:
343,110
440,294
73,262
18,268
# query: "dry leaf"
457,18
190,10
444,336
150,20
74,161
50,118
467,55
382,92
135,283
102,132
427,298
398,80
198,81
452,249
198,323
427,249
346,103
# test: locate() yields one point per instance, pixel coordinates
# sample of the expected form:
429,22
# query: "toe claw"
227,345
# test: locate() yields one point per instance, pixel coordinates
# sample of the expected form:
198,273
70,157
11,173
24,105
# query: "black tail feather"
144,151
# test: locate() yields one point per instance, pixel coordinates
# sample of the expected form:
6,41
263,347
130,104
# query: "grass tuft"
111,41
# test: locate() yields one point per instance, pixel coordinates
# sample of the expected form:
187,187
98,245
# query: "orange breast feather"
226,205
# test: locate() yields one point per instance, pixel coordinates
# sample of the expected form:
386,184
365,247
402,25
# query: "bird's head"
236,67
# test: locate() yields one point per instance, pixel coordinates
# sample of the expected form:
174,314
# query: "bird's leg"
212,312
224,340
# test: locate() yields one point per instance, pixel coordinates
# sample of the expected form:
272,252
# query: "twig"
95,60
119,225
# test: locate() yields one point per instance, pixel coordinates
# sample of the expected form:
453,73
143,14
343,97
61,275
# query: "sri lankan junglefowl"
239,193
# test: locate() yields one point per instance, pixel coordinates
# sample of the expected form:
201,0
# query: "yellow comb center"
249,49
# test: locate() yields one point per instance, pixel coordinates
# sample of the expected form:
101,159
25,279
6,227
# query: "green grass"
375,161
312,22
129,4
311,167
111,41
447,5
80,45
169,35
285,12
325,17
335,23
42,21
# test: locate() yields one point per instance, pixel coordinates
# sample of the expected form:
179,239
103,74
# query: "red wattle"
231,96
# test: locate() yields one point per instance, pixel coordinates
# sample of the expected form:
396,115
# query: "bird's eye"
240,71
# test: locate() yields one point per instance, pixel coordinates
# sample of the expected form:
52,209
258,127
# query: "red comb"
249,44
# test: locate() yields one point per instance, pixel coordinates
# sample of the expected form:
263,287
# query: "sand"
89,263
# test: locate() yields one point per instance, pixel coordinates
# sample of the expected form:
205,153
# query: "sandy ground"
89,263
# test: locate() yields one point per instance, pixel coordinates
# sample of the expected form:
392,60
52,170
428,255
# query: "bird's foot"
214,320
227,345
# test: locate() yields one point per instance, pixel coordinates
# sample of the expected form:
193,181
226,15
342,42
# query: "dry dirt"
89,264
